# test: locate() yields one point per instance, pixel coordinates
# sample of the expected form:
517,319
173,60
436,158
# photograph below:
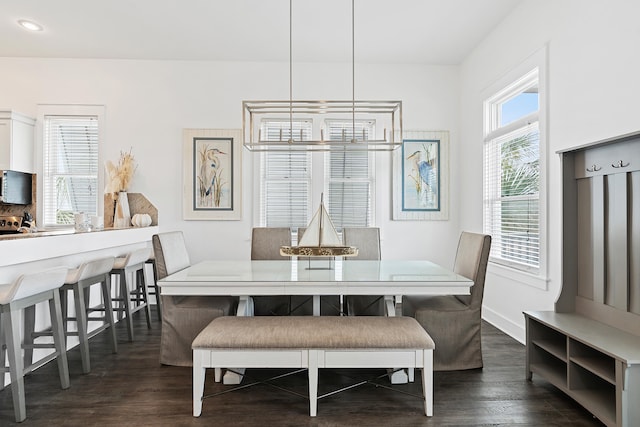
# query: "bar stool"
128,267
26,291
78,280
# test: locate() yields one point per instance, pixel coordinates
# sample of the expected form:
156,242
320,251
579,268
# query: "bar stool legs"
127,269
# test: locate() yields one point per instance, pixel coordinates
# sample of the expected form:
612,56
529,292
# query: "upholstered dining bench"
312,342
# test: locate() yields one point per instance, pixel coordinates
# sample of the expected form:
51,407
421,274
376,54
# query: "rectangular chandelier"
387,115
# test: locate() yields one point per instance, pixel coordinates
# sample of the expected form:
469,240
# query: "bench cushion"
308,332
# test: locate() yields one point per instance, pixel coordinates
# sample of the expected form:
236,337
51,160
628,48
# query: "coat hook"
619,164
594,168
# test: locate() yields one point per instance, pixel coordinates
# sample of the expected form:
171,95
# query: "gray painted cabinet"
589,347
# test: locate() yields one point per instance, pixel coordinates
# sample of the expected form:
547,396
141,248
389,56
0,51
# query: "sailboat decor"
320,239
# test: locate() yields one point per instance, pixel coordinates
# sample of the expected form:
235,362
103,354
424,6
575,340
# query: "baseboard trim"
514,330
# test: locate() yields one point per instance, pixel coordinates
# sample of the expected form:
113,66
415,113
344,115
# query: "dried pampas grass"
119,177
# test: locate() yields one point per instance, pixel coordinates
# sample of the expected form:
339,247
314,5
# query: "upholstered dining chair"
183,317
454,321
367,240
265,245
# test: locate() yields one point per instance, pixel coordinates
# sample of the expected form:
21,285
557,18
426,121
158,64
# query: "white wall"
593,70
148,103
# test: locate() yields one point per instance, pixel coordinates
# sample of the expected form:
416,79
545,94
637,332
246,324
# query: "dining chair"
183,317
454,321
24,293
265,245
367,240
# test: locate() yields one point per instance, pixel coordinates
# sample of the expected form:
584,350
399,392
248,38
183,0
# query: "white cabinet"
17,133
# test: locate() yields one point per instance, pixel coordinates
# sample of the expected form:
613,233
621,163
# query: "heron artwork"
423,175
211,182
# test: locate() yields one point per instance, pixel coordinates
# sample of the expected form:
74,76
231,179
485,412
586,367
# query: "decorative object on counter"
141,220
118,179
81,221
138,204
97,222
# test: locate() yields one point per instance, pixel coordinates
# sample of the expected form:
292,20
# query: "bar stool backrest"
136,257
90,269
33,284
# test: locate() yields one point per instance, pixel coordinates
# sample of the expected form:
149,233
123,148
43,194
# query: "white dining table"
244,279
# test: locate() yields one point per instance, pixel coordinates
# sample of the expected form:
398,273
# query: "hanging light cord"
290,71
353,73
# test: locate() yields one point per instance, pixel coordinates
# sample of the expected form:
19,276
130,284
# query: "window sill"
523,277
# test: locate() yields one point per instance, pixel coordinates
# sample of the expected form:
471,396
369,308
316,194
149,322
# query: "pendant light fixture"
387,115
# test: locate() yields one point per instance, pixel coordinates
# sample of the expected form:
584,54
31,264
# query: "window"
349,176
291,182
513,174
70,166
285,178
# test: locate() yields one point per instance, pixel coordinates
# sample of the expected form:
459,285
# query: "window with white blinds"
349,182
512,174
70,166
285,184
289,185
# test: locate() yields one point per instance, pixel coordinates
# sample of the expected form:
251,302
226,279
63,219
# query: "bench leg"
313,382
198,381
427,382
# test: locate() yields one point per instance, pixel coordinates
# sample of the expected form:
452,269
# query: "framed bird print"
420,176
212,174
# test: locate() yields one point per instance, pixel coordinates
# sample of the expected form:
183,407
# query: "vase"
122,215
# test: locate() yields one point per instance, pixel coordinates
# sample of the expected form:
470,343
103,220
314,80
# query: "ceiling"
386,31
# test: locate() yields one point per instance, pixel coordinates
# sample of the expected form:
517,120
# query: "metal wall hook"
594,168
619,164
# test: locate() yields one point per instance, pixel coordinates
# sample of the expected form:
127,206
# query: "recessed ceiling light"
30,25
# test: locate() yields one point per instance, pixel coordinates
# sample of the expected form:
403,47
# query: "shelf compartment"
550,368
593,392
593,361
549,340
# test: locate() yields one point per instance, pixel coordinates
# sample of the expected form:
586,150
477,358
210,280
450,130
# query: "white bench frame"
311,359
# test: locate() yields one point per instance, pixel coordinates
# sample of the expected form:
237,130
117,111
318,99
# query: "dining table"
390,279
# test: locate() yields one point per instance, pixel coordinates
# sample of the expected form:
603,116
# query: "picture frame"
212,174
420,173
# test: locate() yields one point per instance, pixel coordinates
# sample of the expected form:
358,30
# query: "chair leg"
16,370
144,288
59,339
29,329
81,320
151,278
108,311
126,300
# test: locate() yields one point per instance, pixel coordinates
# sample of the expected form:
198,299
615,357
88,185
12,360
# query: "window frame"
499,92
44,110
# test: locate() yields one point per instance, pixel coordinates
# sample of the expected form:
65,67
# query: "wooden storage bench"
594,363
312,343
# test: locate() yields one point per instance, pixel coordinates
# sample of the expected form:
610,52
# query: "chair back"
366,239
170,252
266,242
471,261
32,284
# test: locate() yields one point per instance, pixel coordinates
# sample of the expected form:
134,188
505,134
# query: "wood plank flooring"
132,388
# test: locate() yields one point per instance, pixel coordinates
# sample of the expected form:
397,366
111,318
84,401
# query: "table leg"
397,377
316,305
245,308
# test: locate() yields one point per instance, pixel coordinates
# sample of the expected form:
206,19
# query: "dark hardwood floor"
132,388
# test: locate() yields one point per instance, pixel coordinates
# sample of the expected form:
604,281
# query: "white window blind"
285,184
349,176
70,156
512,174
